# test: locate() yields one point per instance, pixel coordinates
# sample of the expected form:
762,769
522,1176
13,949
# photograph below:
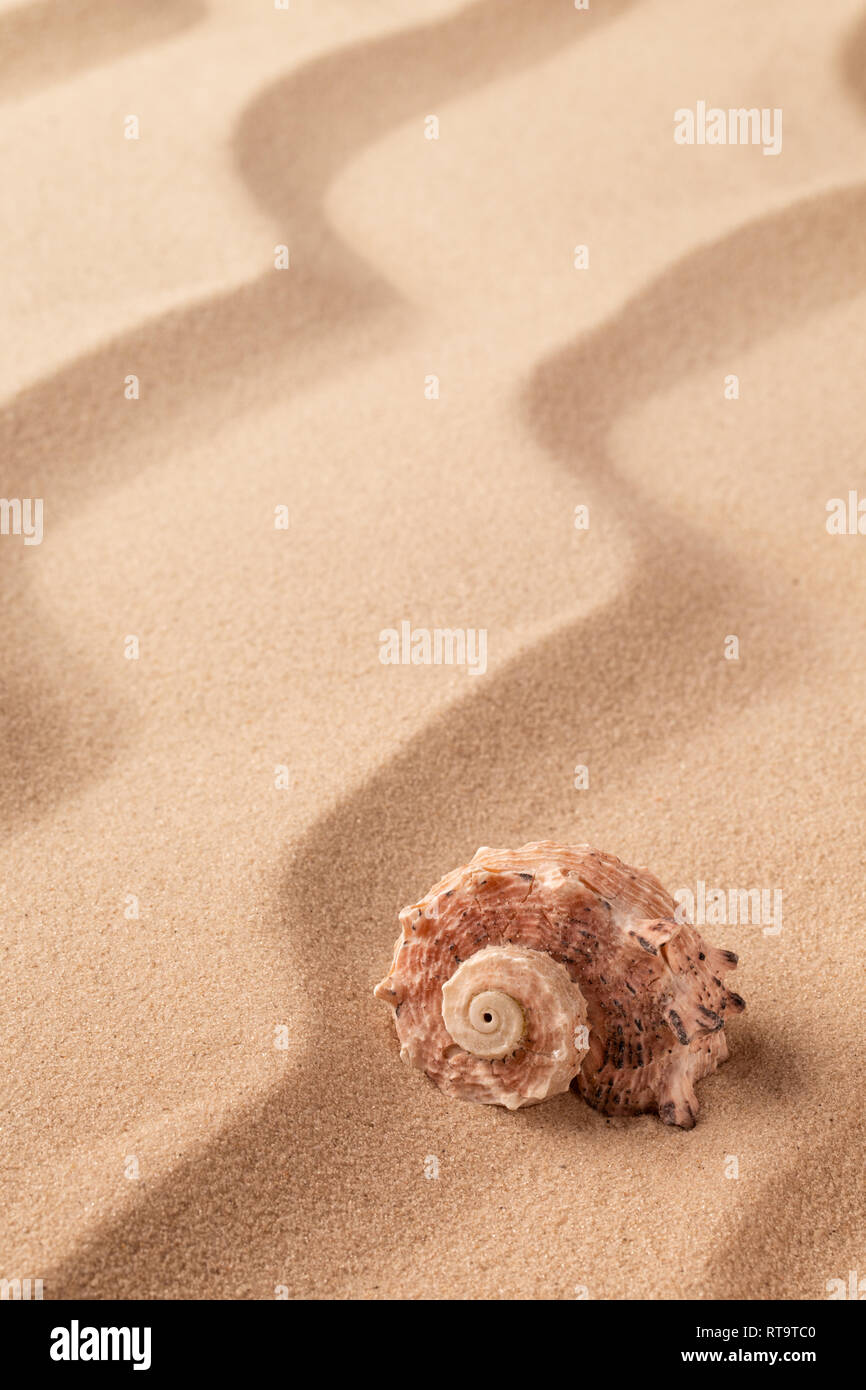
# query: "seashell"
528,971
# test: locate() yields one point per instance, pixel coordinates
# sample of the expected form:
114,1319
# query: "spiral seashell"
476,1011
529,970
516,1007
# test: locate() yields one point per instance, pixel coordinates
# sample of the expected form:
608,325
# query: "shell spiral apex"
529,971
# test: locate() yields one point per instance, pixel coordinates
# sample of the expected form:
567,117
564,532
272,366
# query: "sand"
170,914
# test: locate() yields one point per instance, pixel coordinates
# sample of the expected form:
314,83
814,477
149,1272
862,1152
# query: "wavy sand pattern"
152,1037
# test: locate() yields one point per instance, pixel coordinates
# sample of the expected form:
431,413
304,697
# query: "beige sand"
147,1044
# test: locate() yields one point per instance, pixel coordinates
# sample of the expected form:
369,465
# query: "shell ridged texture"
579,941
